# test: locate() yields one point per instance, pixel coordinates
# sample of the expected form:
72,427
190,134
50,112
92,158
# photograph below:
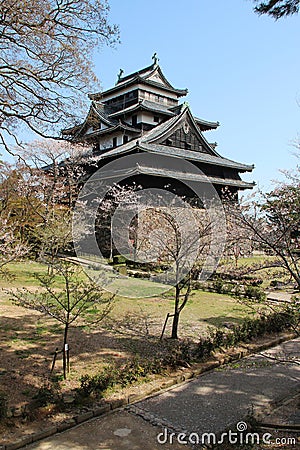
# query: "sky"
241,69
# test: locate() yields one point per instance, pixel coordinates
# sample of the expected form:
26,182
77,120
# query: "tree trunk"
175,323
174,334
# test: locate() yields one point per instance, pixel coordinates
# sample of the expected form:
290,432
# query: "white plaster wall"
107,142
147,117
153,89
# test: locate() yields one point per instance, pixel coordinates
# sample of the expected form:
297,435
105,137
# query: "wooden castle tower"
142,114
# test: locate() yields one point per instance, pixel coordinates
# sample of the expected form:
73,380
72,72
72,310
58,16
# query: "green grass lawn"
203,308
21,274
29,338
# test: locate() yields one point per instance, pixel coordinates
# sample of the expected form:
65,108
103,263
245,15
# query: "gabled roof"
151,75
93,113
99,110
164,130
151,142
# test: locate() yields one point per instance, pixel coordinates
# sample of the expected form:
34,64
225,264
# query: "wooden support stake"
68,360
54,359
165,324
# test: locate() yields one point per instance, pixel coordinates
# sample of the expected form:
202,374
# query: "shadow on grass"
28,342
223,321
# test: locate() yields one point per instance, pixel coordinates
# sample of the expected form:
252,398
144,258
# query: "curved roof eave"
175,152
142,106
207,123
182,176
141,80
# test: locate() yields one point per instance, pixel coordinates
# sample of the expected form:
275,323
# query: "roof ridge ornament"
120,76
155,59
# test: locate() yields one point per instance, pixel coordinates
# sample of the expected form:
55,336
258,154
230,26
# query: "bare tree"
238,242
171,236
271,222
12,245
53,170
36,197
163,230
45,62
80,298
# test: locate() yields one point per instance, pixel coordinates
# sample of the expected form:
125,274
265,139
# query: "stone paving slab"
119,430
211,403
221,398
279,296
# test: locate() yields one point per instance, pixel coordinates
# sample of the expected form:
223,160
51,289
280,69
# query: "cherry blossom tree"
13,218
271,222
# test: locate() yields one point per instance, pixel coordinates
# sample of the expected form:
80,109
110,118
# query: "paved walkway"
281,297
209,404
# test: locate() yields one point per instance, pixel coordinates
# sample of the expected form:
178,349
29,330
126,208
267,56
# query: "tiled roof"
176,153
195,156
206,123
148,142
112,129
184,176
160,129
143,72
146,105
142,76
163,130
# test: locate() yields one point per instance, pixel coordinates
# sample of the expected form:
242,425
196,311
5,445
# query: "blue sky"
241,70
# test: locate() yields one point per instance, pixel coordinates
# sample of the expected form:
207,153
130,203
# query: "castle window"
115,142
96,147
188,145
125,139
134,120
156,119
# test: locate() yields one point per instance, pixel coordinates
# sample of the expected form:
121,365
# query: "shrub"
254,292
218,286
247,330
172,354
217,338
45,395
178,353
119,259
111,375
121,268
131,372
99,383
204,349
